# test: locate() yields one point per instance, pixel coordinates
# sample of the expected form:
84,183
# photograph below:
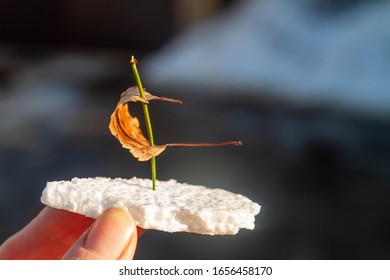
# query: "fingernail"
110,234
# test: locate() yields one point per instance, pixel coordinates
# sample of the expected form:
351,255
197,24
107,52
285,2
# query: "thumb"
112,236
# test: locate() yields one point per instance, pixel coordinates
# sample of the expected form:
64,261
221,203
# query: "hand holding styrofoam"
173,207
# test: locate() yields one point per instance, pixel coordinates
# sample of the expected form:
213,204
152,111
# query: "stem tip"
133,60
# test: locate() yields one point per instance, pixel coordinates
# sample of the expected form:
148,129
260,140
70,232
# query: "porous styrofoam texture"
172,207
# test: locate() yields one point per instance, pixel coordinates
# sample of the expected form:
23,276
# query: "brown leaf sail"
126,128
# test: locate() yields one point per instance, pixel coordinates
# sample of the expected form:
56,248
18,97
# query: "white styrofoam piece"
172,207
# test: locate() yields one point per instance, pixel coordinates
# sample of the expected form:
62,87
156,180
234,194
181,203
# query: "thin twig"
133,63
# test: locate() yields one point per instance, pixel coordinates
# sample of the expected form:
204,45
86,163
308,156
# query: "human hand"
59,234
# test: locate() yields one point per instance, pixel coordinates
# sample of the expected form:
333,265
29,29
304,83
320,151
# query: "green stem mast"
133,63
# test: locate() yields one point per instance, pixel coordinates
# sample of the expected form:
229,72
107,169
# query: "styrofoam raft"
172,207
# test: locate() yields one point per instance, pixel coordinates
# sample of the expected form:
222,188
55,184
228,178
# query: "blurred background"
304,84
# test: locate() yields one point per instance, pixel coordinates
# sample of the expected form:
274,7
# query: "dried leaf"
126,128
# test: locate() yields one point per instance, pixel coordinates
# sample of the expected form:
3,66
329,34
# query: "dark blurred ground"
321,175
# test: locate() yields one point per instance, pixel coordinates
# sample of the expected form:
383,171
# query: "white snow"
287,49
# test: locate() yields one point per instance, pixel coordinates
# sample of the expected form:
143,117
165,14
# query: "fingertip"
112,236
